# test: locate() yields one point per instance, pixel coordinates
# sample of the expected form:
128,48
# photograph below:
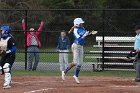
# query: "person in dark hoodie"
62,47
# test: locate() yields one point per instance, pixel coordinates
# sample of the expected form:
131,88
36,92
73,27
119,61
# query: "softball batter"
80,34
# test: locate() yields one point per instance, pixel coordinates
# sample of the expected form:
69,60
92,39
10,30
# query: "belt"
78,44
33,46
62,49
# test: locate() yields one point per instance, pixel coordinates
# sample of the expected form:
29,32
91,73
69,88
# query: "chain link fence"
105,51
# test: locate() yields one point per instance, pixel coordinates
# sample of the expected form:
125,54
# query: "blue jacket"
78,33
63,44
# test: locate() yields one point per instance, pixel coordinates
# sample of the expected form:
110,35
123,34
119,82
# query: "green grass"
89,73
54,57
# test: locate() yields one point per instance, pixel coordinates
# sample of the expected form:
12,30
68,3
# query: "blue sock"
77,71
67,69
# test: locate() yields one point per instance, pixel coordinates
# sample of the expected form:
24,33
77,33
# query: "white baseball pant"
77,54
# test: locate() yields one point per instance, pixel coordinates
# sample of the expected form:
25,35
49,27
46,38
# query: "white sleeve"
76,33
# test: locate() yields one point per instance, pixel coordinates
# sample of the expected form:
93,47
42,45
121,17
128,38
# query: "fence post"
26,14
103,35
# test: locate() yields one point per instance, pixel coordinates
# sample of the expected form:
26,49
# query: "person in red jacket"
33,44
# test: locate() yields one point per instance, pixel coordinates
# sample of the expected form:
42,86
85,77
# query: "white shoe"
63,75
6,86
76,79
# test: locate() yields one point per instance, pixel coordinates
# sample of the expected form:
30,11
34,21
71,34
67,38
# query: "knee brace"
6,68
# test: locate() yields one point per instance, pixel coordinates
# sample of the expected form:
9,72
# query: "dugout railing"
115,59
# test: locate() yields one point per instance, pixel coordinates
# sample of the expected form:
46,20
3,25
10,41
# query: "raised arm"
40,28
24,26
71,30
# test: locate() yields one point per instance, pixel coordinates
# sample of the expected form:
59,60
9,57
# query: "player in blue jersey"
80,35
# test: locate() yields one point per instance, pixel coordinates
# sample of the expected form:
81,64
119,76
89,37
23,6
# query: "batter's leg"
78,68
69,67
75,58
80,62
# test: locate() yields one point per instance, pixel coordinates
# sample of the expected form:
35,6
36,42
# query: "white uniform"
77,46
77,54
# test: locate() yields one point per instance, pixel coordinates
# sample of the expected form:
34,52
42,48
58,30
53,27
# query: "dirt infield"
90,84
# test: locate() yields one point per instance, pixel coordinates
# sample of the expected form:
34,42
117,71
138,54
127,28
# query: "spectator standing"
33,44
63,48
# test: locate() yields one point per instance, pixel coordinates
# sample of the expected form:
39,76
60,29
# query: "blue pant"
31,56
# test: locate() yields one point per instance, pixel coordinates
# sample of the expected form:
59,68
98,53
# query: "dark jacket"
63,44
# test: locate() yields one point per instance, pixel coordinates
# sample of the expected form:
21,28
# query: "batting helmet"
78,21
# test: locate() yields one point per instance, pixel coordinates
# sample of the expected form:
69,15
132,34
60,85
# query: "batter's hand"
93,32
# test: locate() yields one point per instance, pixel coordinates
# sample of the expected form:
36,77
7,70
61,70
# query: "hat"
78,21
137,27
32,29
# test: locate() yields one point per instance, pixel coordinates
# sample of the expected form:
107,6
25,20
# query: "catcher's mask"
5,31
